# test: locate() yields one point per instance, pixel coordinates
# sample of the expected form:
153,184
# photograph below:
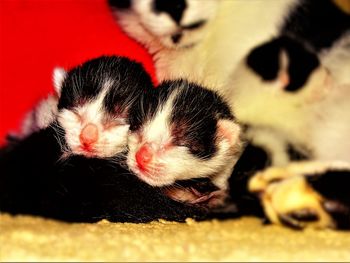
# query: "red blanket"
38,35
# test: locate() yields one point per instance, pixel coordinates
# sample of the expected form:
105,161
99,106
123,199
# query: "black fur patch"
333,185
195,25
175,8
130,79
203,108
265,61
84,83
320,23
176,38
202,185
33,181
296,155
122,4
252,160
194,115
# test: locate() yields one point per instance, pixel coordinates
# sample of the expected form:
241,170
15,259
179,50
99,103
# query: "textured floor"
33,239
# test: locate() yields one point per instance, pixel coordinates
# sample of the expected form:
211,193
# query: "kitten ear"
59,75
228,130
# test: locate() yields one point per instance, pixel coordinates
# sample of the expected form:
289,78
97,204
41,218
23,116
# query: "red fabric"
37,35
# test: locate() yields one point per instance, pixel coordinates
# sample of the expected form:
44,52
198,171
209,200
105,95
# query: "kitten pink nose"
144,156
89,134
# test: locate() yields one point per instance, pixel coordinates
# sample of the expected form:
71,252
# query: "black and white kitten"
292,99
181,131
92,105
111,93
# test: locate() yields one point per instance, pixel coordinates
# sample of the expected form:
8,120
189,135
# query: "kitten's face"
92,130
94,105
175,23
178,138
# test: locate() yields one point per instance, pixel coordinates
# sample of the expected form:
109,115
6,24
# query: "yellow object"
24,238
344,5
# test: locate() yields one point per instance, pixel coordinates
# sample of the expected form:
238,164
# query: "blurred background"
38,35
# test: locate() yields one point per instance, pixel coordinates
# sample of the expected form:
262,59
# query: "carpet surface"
25,238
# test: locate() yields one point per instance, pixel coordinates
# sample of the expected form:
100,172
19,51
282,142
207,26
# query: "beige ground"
34,239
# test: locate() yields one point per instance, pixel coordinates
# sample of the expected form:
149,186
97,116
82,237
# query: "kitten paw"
305,194
200,192
192,196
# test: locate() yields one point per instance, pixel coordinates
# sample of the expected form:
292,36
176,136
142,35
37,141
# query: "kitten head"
95,100
174,24
182,131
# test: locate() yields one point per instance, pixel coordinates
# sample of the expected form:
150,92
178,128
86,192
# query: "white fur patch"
154,29
110,141
59,74
177,163
41,116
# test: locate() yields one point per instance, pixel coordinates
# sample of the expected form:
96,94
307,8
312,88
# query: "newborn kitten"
95,101
181,131
92,105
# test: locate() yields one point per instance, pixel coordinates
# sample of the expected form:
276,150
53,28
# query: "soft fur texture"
311,117
174,24
95,100
83,189
204,60
96,95
40,117
223,46
173,130
231,32
34,181
219,61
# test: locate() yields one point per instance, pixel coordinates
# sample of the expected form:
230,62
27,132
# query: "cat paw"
305,194
193,196
197,192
